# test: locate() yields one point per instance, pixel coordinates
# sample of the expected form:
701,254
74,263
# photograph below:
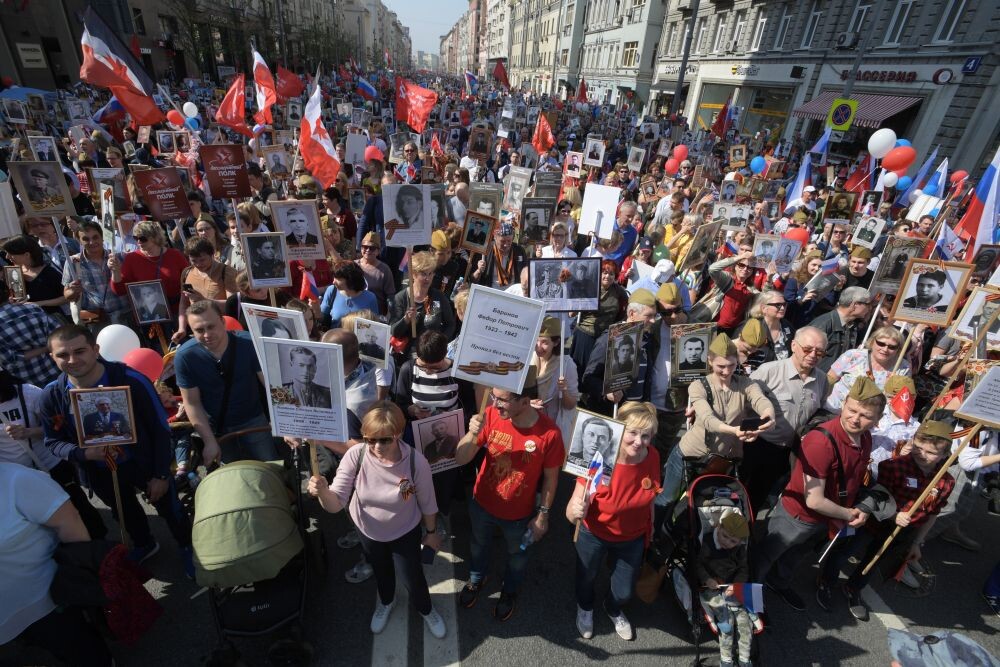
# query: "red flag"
857,178
413,103
134,47
232,110
903,403
500,74
581,92
267,95
318,153
543,139
288,84
436,148
721,124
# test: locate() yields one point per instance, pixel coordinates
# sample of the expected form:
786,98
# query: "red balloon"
681,152
672,165
175,117
959,175
232,324
899,158
798,234
146,361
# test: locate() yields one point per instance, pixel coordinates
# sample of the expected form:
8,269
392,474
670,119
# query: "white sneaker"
381,616
585,623
435,623
622,626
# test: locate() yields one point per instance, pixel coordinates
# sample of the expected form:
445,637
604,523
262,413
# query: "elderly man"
501,267
629,234
841,325
797,388
669,399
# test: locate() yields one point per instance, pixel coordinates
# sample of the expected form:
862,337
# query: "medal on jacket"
647,483
406,488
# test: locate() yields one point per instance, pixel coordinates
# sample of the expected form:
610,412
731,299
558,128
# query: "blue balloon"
758,164
902,142
904,182
192,124
931,188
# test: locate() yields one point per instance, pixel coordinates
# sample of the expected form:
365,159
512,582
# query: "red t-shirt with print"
621,511
515,459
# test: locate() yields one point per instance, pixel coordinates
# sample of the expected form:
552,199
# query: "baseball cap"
809,188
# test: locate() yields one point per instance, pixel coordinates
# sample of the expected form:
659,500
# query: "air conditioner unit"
847,40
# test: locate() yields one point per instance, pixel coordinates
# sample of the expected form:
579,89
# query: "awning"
667,86
873,110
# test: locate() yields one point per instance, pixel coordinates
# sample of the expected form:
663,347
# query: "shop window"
860,17
779,39
812,24
897,24
950,17
630,54
758,33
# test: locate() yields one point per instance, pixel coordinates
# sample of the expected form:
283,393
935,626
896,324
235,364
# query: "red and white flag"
267,93
318,153
543,139
232,111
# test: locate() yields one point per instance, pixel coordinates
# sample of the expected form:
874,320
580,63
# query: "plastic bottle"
527,539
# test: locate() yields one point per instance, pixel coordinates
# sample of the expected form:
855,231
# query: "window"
812,23
138,22
860,18
720,34
668,45
779,39
950,17
630,54
758,32
897,24
741,21
699,33
564,57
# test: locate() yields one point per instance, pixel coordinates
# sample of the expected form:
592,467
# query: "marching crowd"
834,416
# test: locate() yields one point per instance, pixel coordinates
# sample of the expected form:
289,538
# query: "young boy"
179,438
905,477
722,561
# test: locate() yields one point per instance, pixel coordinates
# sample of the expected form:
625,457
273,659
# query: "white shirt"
547,252
15,451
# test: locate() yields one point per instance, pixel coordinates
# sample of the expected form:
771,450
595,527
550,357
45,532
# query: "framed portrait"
104,416
344,109
775,170
536,215
758,188
598,214
593,154
149,303
477,232
437,437
43,148
165,141
737,216
480,140
621,364
43,188
14,111
593,433
182,142
354,149
306,391
428,175
737,156
485,198
506,123
868,231
270,322
566,284
636,157
690,344
930,291
277,161
357,199
298,221
871,199
573,164
267,259
406,209
840,207
980,406
142,136
373,341
14,278
786,251
765,246
518,183
986,262
891,268
293,112
727,191
978,310
701,244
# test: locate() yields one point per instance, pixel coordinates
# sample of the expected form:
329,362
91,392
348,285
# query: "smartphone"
187,287
751,424
427,555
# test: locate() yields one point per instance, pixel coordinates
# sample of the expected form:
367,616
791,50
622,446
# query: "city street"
542,630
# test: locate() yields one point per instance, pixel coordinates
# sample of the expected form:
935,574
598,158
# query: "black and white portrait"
358,200
299,222
14,278
165,141
566,284
406,209
104,416
764,248
517,189
737,155
986,261
636,156
977,312
892,267
270,322
149,302
704,238
840,206
479,143
277,161
785,253
573,164
267,259
43,188
506,125
293,113
14,112
437,437
727,191
871,199
593,154
373,341
484,198
594,433
692,353
536,214
44,148
306,392
929,292
868,230
478,231
344,109
532,116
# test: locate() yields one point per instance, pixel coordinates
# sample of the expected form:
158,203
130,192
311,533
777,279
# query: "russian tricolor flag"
750,596
978,224
309,290
802,179
830,266
471,83
365,89
595,473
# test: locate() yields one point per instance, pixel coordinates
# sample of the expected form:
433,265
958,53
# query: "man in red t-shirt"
820,496
523,446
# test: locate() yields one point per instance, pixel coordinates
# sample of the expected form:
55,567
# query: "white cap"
809,188
663,271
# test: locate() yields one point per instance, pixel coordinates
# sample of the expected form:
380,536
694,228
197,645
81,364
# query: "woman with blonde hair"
387,488
154,260
617,521
557,247
875,360
422,304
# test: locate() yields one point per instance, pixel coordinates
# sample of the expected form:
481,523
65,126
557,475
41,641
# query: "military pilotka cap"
735,524
722,346
935,429
668,293
439,240
863,389
861,253
896,383
753,333
643,297
550,327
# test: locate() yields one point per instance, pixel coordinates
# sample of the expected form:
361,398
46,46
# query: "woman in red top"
734,276
617,521
152,261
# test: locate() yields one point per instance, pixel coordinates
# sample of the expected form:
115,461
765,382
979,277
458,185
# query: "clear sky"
427,20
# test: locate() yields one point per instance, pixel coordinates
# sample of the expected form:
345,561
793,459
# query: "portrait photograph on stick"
573,164
621,365
867,231
436,437
895,258
570,284
14,277
536,214
267,259
478,232
104,416
271,322
149,303
593,154
373,341
978,310
42,187
593,433
406,209
298,221
929,292
689,343
277,161
485,198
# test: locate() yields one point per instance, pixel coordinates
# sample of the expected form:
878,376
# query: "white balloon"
915,195
116,341
191,110
881,142
890,179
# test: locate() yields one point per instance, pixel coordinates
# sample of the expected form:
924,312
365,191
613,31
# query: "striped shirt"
434,391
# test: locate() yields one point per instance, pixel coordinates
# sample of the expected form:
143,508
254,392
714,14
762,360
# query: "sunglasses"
669,311
779,304
888,346
742,265
379,441
141,239
368,247
809,349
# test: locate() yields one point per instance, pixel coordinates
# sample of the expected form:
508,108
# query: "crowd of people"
807,391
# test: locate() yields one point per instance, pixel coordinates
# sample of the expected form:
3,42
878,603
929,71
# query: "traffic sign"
972,64
841,114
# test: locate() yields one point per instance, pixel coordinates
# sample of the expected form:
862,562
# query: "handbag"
647,585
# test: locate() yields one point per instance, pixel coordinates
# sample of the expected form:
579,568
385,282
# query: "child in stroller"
722,561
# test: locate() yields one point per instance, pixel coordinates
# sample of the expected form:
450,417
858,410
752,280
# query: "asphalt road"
542,631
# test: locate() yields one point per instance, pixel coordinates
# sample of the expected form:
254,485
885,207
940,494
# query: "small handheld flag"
830,266
309,290
750,596
595,473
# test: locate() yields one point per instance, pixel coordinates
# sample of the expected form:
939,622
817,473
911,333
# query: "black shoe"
824,597
857,606
505,606
790,597
469,594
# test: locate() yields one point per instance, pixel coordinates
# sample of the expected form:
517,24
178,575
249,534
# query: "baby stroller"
692,520
249,551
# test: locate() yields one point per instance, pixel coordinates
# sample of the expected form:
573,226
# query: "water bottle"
527,539
458,285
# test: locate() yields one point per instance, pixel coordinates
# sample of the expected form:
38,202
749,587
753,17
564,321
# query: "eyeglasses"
888,346
558,236
839,231
141,239
669,311
366,248
409,150
379,441
809,349
503,401
778,304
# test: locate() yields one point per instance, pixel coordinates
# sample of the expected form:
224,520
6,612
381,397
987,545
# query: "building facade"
495,35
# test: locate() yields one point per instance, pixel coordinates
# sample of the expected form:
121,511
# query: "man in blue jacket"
144,466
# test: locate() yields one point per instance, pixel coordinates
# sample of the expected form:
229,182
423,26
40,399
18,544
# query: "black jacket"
520,261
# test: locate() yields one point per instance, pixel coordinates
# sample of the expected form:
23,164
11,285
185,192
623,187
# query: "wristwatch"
542,509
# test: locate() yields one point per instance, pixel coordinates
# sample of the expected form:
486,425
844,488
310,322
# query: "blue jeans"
483,524
673,478
256,446
626,559
992,587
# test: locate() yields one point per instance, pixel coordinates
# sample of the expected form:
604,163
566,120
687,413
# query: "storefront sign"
887,76
145,51
673,70
31,55
745,70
